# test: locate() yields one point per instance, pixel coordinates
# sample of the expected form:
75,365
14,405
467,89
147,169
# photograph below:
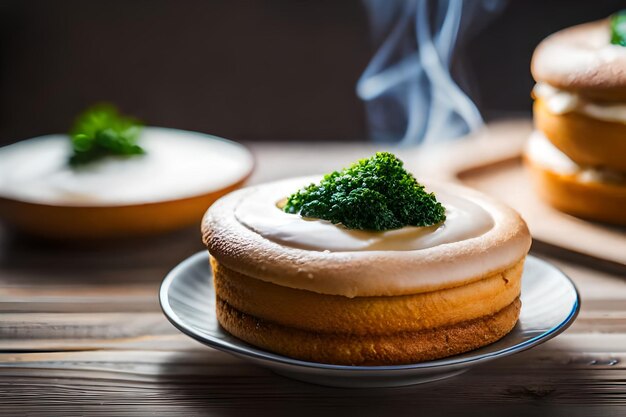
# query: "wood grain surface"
81,333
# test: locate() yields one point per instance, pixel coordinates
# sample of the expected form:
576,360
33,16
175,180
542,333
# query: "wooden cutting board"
491,162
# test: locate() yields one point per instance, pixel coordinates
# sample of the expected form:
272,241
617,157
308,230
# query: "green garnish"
618,28
102,131
372,194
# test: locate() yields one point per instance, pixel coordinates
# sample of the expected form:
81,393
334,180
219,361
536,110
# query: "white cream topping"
177,164
258,210
360,273
562,102
541,151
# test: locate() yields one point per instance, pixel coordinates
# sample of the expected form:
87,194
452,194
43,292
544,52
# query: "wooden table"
81,333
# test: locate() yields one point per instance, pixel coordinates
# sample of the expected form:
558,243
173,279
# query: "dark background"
246,70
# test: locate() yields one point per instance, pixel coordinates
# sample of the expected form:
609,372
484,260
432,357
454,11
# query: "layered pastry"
365,267
577,156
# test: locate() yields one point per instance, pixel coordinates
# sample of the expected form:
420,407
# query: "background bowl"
162,212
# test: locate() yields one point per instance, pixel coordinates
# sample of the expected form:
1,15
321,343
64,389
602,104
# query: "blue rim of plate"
259,354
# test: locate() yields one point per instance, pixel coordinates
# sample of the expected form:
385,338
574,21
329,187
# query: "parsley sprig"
618,28
102,131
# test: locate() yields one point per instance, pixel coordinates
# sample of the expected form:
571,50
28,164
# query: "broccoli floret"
372,194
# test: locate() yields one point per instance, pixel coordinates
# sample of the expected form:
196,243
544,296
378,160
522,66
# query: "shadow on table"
225,386
48,258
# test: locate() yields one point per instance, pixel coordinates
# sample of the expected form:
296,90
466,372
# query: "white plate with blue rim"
550,303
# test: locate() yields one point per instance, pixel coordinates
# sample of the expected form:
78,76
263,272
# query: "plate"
550,303
168,188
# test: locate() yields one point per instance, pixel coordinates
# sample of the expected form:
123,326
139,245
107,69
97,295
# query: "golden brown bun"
582,59
344,349
601,201
587,141
366,315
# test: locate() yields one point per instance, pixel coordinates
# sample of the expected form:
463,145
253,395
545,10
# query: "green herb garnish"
618,28
101,131
372,194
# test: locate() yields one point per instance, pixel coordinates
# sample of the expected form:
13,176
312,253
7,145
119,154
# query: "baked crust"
392,348
581,59
587,141
310,311
600,201
357,273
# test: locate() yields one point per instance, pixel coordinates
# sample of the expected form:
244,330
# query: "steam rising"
409,92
